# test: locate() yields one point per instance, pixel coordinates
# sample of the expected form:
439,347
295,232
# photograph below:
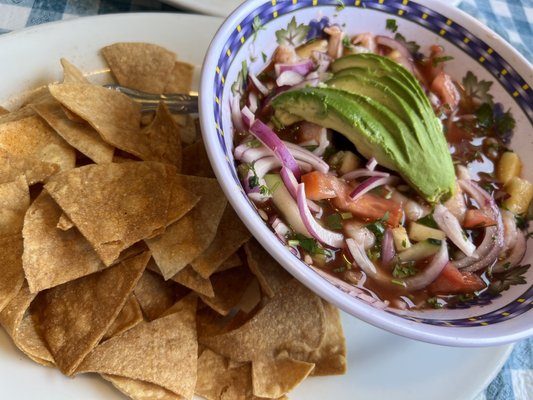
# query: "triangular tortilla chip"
32,137
196,162
139,390
21,325
229,287
114,115
163,352
330,357
129,316
10,268
293,319
64,223
186,239
142,66
116,205
77,314
53,256
14,202
188,277
12,166
231,262
163,135
81,136
271,276
231,234
275,377
156,295
180,78
71,73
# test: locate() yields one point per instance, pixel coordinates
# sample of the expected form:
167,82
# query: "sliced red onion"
302,154
247,116
372,183
257,83
270,163
312,79
240,150
510,230
281,229
450,225
492,244
255,153
387,247
431,272
405,58
323,235
257,197
292,186
274,143
514,257
323,60
358,253
301,67
253,101
413,211
236,116
371,164
289,78
363,173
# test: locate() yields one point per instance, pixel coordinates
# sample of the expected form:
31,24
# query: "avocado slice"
376,131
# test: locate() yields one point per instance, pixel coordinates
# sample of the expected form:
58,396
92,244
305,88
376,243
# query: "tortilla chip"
129,316
53,256
81,136
142,66
3,110
180,78
139,390
155,295
219,378
188,277
12,166
32,137
231,262
14,201
76,315
271,276
21,325
251,297
116,205
229,287
114,115
162,352
64,223
10,268
330,357
293,319
163,135
21,113
273,378
196,162
71,74
231,234
186,239
182,198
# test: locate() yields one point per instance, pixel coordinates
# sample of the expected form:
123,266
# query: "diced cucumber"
349,162
420,250
418,232
285,203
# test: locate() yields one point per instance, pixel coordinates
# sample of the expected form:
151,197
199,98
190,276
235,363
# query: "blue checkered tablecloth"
512,19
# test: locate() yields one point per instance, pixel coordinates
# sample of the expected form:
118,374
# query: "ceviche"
374,165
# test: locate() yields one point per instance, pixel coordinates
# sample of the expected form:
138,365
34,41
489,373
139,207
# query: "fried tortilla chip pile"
121,256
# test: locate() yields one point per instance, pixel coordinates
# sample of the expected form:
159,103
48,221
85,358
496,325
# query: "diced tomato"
319,186
444,87
475,218
453,281
370,207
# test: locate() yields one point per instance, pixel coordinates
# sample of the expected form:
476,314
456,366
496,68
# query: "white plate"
381,365
223,8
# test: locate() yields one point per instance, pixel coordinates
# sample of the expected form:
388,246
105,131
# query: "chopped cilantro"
340,269
340,5
391,25
398,282
253,181
334,221
477,89
257,25
437,60
428,221
511,277
404,270
309,245
346,41
254,143
434,302
264,56
265,191
412,46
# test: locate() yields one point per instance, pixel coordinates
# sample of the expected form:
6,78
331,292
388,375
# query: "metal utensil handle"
178,103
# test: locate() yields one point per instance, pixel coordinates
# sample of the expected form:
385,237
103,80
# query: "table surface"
512,19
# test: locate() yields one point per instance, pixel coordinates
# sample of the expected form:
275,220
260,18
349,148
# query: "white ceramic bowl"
487,321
